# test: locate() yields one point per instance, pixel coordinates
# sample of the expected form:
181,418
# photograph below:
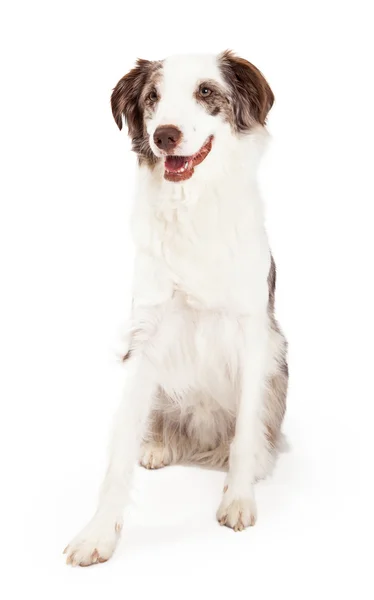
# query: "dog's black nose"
167,137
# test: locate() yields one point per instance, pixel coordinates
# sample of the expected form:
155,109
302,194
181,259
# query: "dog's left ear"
252,96
126,94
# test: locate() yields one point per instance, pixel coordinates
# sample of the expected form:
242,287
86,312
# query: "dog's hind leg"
163,442
154,455
155,452
172,439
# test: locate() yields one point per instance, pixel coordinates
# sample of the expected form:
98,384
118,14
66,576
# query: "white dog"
206,371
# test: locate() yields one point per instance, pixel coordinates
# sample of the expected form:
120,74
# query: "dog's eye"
152,96
204,91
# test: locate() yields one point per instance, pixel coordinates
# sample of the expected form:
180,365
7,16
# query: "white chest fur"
211,246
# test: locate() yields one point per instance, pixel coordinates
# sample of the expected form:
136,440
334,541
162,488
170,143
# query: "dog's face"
180,110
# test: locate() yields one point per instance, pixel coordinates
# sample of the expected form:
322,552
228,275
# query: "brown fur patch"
126,356
272,277
277,385
251,96
217,101
129,99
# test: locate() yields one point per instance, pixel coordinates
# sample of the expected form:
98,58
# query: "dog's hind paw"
154,455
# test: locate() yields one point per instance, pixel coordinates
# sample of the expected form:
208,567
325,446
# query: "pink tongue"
173,163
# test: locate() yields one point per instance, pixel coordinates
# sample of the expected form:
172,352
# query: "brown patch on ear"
126,101
126,94
251,94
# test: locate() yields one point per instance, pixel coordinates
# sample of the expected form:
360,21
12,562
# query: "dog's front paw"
94,544
154,455
237,512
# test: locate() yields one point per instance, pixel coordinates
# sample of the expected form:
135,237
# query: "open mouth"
180,168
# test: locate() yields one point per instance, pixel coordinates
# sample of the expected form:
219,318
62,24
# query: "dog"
206,371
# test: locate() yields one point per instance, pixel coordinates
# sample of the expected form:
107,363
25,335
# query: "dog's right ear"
126,95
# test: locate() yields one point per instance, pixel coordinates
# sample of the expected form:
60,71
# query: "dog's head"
178,110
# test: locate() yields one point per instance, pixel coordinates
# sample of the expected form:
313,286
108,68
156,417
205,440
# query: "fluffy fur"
206,371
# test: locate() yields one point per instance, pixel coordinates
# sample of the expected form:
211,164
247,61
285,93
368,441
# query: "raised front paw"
94,544
237,512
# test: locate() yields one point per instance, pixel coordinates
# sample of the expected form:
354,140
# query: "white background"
66,262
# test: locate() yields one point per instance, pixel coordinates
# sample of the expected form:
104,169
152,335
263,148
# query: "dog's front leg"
238,506
97,541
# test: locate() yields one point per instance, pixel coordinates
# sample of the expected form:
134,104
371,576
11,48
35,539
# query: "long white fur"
200,327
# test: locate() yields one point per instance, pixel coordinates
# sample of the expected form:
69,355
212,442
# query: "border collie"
205,375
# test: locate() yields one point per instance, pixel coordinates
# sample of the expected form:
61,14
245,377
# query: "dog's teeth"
186,164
